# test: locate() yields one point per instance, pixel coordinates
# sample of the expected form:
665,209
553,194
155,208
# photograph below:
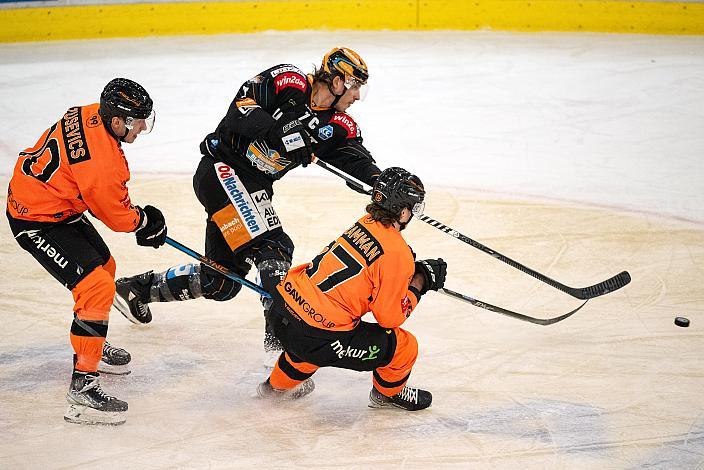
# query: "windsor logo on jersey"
74,137
325,132
300,304
347,123
289,80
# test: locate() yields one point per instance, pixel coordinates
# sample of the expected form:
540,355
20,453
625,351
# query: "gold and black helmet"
346,63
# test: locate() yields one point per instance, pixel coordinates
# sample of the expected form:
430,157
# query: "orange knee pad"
93,297
391,378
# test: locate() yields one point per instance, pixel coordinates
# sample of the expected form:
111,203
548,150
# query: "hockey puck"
682,321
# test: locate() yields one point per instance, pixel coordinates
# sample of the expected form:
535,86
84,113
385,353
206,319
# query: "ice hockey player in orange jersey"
318,306
78,165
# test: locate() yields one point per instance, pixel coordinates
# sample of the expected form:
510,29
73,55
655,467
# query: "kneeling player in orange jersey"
319,305
78,165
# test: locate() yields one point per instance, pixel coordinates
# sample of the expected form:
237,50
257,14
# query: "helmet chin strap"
110,130
332,92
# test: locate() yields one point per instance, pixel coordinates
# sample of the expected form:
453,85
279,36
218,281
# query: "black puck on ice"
682,321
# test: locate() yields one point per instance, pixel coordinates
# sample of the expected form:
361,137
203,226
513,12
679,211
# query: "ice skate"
130,301
411,399
265,390
114,360
88,404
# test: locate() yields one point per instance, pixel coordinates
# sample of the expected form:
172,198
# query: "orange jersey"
368,268
75,166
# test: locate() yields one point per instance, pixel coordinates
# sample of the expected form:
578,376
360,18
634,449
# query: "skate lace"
109,349
94,384
142,307
409,394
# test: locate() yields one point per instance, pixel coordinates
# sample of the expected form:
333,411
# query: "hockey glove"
291,139
434,271
152,228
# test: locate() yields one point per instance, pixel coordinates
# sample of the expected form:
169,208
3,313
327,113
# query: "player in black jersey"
278,120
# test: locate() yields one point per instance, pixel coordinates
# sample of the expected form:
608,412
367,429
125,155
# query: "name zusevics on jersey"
229,181
305,306
73,135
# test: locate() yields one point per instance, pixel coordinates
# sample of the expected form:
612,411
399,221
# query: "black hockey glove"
434,271
152,228
291,139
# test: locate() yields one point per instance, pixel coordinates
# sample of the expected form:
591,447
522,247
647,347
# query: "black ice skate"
88,404
114,361
411,399
130,299
265,390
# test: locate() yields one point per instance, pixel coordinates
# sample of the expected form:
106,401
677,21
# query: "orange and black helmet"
346,63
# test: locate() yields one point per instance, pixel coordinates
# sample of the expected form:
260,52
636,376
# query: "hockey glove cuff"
151,230
434,272
291,139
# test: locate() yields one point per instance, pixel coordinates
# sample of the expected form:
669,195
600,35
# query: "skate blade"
122,307
105,368
296,393
79,414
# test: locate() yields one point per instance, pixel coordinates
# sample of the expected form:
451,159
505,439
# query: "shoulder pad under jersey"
345,121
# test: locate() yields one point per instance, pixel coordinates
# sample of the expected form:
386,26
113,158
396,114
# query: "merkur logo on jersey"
46,247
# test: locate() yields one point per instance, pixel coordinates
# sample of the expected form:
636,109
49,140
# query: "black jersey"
240,138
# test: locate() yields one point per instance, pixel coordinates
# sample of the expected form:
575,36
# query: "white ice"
577,154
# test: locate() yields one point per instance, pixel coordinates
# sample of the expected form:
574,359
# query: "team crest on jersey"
266,159
347,123
325,132
289,80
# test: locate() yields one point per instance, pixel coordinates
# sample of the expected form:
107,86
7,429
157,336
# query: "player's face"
351,95
138,125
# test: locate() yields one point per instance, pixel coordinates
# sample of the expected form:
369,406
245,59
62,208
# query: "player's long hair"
379,214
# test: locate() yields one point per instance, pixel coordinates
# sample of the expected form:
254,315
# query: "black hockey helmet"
127,99
396,189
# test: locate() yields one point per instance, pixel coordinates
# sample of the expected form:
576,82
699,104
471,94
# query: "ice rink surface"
579,155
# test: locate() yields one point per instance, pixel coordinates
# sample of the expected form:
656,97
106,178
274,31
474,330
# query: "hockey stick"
583,293
217,267
509,313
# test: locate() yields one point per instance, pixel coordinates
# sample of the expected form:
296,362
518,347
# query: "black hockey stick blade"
509,313
582,293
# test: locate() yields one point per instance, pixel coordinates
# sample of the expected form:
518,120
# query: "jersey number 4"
44,170
351,267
